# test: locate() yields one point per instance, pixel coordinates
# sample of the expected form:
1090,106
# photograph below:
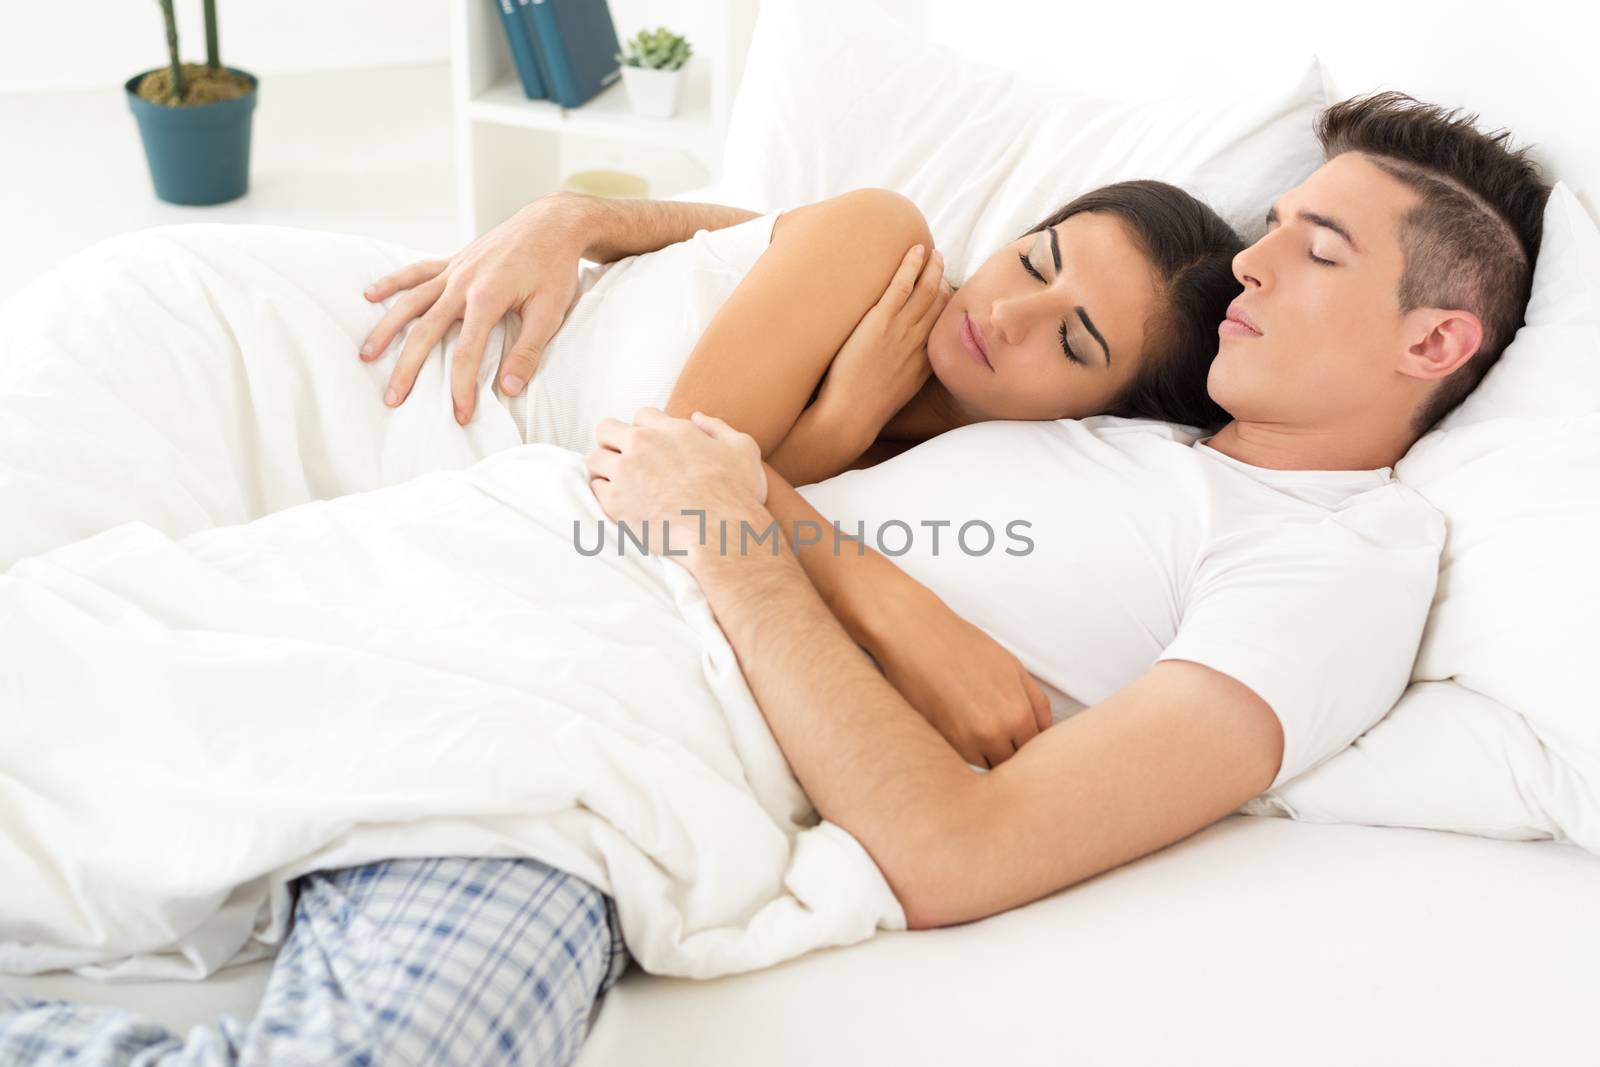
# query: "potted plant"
652,68
194,121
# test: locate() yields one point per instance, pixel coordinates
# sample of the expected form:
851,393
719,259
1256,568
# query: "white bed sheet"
1258,940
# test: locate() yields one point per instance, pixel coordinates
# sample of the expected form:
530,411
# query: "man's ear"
1444,340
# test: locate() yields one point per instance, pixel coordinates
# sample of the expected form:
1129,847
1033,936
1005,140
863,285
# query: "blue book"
577,46
521,48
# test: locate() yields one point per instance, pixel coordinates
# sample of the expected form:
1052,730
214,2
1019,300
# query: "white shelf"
608,116
509,149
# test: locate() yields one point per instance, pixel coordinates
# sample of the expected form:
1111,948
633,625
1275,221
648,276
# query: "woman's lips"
971,342
1238,323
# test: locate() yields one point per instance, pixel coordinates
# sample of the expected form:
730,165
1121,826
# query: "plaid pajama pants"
434,961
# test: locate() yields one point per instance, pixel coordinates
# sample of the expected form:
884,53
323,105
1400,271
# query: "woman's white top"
629,332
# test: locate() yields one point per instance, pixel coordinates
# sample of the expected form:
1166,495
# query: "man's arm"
1178,749
527,264
1173,752
616,229
973,691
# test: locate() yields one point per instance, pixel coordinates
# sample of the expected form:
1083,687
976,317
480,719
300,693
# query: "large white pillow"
1444,758
1553,366
1510,744
838,94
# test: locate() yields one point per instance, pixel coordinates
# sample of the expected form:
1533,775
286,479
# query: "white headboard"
1530,65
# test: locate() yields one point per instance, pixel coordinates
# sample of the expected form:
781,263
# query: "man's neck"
1300,449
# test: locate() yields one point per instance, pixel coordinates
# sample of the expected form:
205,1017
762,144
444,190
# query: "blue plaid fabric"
432,961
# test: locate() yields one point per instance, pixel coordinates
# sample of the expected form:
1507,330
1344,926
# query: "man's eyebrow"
1319,220
1088,324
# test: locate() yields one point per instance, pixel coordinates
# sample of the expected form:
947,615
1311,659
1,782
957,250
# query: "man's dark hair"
1471,241
1191,250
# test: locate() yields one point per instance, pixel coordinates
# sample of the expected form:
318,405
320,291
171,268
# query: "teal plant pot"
197,155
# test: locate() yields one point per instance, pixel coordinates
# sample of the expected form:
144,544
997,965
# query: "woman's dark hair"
1192,251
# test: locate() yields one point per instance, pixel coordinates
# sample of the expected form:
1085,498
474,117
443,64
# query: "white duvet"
195,713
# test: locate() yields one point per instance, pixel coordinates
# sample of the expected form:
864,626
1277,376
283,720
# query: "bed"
1260,939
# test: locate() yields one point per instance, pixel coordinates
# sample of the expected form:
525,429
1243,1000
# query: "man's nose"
1247,269
1251,266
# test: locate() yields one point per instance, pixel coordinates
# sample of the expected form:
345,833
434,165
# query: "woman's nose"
1014,316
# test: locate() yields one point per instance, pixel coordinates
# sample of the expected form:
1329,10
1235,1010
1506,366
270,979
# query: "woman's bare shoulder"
868,216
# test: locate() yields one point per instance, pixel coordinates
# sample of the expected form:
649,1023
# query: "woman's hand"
884,361
969,687
527,264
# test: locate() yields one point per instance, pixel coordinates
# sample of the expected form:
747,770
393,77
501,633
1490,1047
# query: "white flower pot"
653,92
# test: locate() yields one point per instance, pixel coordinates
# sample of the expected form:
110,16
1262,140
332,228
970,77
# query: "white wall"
93,44
1528,65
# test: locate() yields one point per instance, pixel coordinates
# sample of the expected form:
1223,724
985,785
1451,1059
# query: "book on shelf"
519,35
575,45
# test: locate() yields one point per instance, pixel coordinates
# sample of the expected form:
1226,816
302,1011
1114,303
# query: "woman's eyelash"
1065,347
1318,259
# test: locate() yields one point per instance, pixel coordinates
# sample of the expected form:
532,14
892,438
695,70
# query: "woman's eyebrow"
1088,324
1083,316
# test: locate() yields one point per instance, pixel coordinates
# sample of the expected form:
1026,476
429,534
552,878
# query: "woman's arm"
767,347
969,688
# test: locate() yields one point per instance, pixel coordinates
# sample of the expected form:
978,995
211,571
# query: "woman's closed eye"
1066,346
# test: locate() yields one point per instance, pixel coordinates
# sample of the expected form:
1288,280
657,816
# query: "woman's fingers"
394,320
904,281
935,308
927,288
404,278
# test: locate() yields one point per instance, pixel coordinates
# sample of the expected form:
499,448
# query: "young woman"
841,346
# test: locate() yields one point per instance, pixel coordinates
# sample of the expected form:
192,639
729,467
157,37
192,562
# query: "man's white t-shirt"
1120,542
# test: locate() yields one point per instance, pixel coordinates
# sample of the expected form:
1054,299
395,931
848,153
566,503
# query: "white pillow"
837,94
1444,758
1513,743
1553,365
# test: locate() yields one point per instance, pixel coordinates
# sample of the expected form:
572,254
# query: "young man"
1386,286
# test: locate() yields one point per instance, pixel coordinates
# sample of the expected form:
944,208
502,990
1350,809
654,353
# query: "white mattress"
1257,940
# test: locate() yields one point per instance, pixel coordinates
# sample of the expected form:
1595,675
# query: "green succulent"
660,49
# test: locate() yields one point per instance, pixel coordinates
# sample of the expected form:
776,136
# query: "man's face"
1321,290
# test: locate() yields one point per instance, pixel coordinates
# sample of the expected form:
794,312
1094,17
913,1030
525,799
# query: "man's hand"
645,474
527,264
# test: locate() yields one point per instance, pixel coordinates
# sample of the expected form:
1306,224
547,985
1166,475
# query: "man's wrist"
574,215
729,535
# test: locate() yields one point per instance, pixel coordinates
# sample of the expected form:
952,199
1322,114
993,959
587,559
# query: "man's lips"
972,341
1238,324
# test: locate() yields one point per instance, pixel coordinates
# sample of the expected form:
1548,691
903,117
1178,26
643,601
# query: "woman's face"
1063,338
